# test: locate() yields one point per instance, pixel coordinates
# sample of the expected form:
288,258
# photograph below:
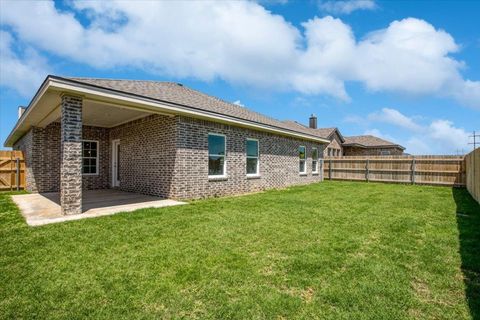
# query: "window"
314,160
385,152
89,157
302,157
252,157
329,151
216,155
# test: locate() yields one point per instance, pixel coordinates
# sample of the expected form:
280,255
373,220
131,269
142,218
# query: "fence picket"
432,170
12,170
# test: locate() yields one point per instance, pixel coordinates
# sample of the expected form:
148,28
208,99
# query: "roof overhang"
40,112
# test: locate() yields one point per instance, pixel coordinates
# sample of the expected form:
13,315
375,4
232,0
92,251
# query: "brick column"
71,155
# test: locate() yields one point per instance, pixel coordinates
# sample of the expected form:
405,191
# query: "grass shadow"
468,222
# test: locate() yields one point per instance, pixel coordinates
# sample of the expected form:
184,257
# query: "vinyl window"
252,157
216,155
302,158
89,157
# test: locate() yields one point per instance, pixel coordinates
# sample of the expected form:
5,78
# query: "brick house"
338,146
368,145
156,138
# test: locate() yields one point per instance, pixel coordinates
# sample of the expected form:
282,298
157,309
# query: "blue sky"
407,71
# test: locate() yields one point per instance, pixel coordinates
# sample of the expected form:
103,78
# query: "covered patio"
44,208
72,137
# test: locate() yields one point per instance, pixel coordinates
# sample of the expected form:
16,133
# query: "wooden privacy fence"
432,170
12,170
472,162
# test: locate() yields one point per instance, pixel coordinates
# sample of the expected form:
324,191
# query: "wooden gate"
12,170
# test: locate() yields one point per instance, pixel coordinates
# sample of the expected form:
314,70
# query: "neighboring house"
366,145
156,138
370,146
335,147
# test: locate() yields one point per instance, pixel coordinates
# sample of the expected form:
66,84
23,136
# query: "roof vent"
313,121
21,110
179,84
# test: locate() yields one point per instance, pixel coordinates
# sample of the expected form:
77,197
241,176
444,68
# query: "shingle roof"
369,141
321,132
325,132
179,94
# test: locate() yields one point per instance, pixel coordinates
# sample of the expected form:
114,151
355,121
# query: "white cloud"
378,133
394,117
416,145
243,43
443,132
23,73
347,6
438,137
238,103
411,57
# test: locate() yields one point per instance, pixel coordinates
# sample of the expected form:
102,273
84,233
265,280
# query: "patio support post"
71,155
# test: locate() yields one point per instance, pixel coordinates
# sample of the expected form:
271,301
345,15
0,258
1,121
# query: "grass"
338,250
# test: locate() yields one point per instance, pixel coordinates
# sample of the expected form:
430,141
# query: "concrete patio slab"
40,209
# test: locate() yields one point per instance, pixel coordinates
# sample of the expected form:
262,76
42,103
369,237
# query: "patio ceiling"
99,114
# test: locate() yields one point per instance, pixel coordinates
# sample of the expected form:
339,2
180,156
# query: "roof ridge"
133,80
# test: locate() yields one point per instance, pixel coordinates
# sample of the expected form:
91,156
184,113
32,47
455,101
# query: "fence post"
18,174
330,169
413,170
367,172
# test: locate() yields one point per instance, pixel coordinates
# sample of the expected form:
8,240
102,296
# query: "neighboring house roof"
176,97
326,133
369,141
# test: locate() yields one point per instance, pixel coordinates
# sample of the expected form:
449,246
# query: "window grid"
89,157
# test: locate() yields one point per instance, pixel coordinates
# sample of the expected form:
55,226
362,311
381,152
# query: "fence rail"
12,170
472,161
432,170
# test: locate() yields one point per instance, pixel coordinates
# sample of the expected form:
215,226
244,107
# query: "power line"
475,142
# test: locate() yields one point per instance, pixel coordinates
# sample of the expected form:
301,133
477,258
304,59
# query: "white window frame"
315,167
224,174
304,160
385,152
257,157
97,158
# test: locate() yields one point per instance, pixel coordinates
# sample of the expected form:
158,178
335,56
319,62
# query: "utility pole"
475,142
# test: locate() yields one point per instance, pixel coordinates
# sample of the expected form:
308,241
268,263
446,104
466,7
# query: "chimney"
21,110
313,121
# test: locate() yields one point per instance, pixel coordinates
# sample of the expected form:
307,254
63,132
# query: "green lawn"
339,250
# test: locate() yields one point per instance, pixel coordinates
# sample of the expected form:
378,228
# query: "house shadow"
468,223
